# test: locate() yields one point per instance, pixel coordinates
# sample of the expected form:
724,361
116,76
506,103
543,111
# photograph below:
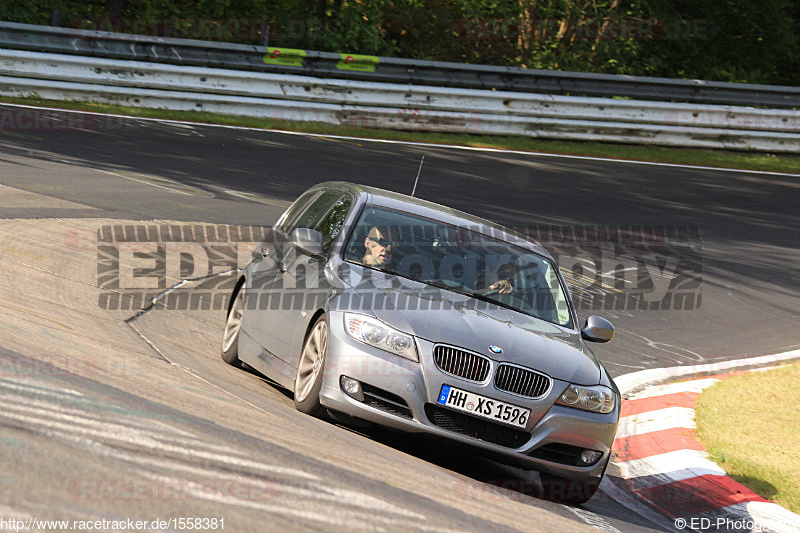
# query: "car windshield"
458,259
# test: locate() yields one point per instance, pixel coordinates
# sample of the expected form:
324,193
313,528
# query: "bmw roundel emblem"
495,349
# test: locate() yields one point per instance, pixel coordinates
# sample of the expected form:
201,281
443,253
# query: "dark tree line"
726,40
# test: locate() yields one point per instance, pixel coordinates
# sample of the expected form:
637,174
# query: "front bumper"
417,385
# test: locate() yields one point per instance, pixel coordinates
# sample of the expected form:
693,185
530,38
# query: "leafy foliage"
728,40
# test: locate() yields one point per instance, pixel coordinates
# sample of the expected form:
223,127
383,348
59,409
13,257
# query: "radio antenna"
419,170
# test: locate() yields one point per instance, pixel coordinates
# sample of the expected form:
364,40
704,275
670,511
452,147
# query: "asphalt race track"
150,403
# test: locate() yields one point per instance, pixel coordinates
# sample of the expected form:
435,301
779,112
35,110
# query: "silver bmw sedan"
412,315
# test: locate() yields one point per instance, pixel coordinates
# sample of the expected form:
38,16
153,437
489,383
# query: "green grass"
750,425
686,156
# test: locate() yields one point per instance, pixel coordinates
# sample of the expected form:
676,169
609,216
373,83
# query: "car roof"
425,208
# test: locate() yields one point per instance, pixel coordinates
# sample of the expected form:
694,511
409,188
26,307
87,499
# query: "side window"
331,225
315,210
292,213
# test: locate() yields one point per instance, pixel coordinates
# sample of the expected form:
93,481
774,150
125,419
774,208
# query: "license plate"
484,407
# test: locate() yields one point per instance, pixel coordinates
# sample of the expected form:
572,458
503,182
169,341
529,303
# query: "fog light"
352,388
589,457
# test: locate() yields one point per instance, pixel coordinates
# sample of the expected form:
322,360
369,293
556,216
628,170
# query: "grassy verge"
685,156
750,425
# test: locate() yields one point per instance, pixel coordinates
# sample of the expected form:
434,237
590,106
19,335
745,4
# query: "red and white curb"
663,462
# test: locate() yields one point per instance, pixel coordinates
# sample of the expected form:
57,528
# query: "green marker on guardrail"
285,57
358,62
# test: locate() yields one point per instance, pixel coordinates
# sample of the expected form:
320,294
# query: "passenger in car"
499,278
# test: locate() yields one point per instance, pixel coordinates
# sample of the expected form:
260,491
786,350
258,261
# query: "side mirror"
597,329
307,241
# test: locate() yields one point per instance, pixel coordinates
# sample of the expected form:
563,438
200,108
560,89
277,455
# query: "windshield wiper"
446,287
478,296
484,298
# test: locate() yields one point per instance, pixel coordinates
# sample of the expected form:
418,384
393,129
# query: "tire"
233,325
558,489
310,370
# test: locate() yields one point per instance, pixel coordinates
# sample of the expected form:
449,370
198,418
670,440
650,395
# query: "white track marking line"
156,462
152,461
200,492
103,415
695,385
658,420
258,198
124,429
409,143
199,194
677,466
642,378
670,349
159,447
593,519
645,482
773,516
319,492
335,514
336,496
38,387
341,498
360,499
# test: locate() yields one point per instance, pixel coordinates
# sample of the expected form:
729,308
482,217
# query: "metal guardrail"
392,70
396,106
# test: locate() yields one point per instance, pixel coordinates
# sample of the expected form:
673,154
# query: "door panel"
278,280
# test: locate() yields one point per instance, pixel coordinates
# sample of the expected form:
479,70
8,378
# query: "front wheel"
308,382
233,325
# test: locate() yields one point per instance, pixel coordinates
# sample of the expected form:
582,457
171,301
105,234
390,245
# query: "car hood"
448,317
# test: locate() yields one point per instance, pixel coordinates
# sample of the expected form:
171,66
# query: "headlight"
375,333
599,399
